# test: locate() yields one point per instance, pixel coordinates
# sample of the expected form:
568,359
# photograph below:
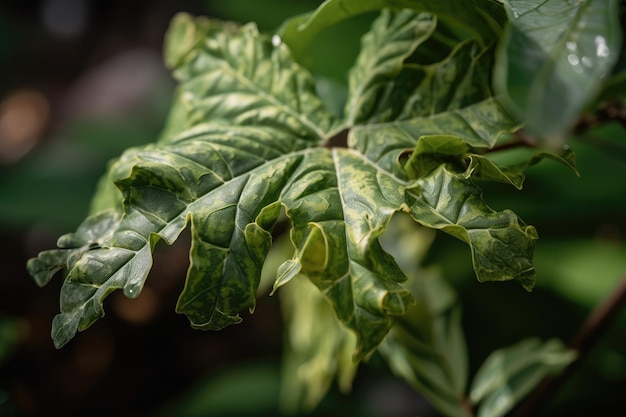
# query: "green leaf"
427,348
241,77
509,374
185,35
456,154
338,207
449,97
492,10
248,140
458,80
479,125
452,99
553,60
392,39
469,17
90,234
501,244
317,348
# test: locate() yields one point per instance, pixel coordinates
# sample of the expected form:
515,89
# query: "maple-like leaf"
248,139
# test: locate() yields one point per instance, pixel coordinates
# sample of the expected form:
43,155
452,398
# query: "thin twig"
588,335
467,406
609,111
522,139
599,320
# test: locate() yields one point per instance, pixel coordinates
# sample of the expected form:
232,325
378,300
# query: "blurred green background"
83,80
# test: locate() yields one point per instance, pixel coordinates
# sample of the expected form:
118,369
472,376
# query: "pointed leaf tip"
286,272
47,264
181,37
397,303
64,327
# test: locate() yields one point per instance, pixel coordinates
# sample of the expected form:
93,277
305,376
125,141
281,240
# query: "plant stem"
590,333
599,320
612,110
522,139
467,405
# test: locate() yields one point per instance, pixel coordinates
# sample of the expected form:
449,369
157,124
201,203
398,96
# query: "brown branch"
467,406
588,335
609,111
522,139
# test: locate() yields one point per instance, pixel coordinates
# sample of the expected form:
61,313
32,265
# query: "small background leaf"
508,374
299,31
318,348
427,347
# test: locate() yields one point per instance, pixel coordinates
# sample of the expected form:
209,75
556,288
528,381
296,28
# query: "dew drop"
602,49
573,59
131,292
276,41
571,45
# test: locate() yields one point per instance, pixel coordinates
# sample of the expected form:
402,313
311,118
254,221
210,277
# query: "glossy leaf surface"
248,140
554,58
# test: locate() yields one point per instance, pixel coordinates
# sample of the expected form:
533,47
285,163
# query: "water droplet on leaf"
602,49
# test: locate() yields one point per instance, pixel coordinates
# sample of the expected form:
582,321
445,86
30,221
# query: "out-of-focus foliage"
554,58
511,373
9,335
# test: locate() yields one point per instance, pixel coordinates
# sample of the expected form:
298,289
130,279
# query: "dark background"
83,80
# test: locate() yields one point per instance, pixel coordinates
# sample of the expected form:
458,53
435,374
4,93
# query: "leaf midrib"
269,98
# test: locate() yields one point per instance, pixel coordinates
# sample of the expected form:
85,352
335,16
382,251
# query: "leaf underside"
247,142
